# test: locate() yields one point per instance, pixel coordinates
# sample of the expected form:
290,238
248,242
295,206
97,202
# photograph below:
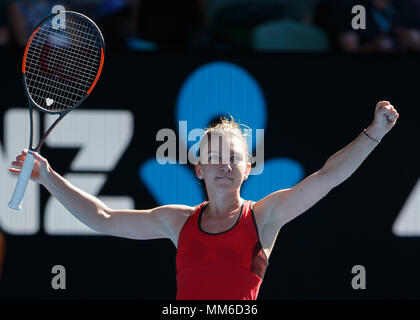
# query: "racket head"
61,66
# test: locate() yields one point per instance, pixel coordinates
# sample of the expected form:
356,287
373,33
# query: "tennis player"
223,244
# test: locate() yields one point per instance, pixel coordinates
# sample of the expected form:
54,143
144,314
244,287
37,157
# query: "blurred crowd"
262,25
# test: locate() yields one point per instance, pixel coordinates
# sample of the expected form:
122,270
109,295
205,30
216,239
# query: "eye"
235,159
214,158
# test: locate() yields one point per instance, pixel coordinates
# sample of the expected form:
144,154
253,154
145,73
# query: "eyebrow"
235,153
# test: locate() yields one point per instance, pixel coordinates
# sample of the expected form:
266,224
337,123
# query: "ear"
247,170
199,171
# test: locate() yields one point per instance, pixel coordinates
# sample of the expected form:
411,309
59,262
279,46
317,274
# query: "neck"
223,204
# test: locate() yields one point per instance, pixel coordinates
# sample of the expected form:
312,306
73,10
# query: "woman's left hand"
385,117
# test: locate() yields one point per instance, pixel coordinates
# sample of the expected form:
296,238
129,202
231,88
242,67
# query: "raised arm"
282,206
160,222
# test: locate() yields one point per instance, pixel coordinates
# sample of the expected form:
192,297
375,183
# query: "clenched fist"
385,117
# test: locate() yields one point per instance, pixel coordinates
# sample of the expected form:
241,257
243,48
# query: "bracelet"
370,136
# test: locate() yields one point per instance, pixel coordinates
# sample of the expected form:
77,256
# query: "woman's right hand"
40,170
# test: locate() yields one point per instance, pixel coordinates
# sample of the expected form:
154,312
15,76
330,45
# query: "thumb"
40,158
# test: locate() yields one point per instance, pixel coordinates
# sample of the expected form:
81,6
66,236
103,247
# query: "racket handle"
23,179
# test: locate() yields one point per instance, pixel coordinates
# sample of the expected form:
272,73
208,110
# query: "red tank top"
229,265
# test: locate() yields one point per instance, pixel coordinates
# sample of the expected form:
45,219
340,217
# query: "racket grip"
23,179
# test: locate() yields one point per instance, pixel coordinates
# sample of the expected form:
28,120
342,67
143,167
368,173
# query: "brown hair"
227,127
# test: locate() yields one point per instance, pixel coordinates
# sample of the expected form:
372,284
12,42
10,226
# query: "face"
223,163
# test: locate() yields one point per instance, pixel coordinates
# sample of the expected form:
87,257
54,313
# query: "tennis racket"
61,66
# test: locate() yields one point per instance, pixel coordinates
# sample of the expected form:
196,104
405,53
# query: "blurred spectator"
233,21
299,10
115,19
4,30
328,15
170,24
391,25
86,7
25,15
289,35
294,32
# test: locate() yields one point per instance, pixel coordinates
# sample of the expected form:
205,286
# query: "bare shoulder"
176,211
176,216
262,211
266,227
175,208
282,206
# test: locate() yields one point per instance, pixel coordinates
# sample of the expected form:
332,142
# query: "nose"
225,168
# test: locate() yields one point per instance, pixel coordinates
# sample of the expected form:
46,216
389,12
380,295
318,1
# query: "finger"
20,158
383,103
17,163
14,170
383,111
25,152
40,158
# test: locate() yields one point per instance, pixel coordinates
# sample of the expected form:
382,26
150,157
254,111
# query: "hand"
40,170
385,119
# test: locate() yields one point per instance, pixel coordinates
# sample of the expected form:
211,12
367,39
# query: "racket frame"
24,176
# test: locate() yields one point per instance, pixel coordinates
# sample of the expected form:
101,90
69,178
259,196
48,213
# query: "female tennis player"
223,244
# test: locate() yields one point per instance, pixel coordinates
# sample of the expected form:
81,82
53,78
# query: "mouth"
224,178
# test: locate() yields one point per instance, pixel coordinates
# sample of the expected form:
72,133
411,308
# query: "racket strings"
62,64
63,84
